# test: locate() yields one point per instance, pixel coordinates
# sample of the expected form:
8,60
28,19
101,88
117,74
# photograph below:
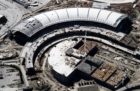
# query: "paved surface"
13,13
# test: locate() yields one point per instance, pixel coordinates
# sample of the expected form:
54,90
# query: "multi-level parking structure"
89,16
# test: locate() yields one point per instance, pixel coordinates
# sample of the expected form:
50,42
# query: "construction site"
69,45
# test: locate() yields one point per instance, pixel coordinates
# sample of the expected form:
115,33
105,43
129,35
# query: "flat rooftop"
61,63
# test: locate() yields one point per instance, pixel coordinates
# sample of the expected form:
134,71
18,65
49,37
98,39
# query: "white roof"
71,14
59,61
42,18
116,1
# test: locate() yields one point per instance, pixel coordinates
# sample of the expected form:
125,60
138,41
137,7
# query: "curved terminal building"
105,19
70,45
74,41
33,25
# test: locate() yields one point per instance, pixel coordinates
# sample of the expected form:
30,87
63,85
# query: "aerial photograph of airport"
69,45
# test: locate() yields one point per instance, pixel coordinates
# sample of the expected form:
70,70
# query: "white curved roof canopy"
116,1
34,24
